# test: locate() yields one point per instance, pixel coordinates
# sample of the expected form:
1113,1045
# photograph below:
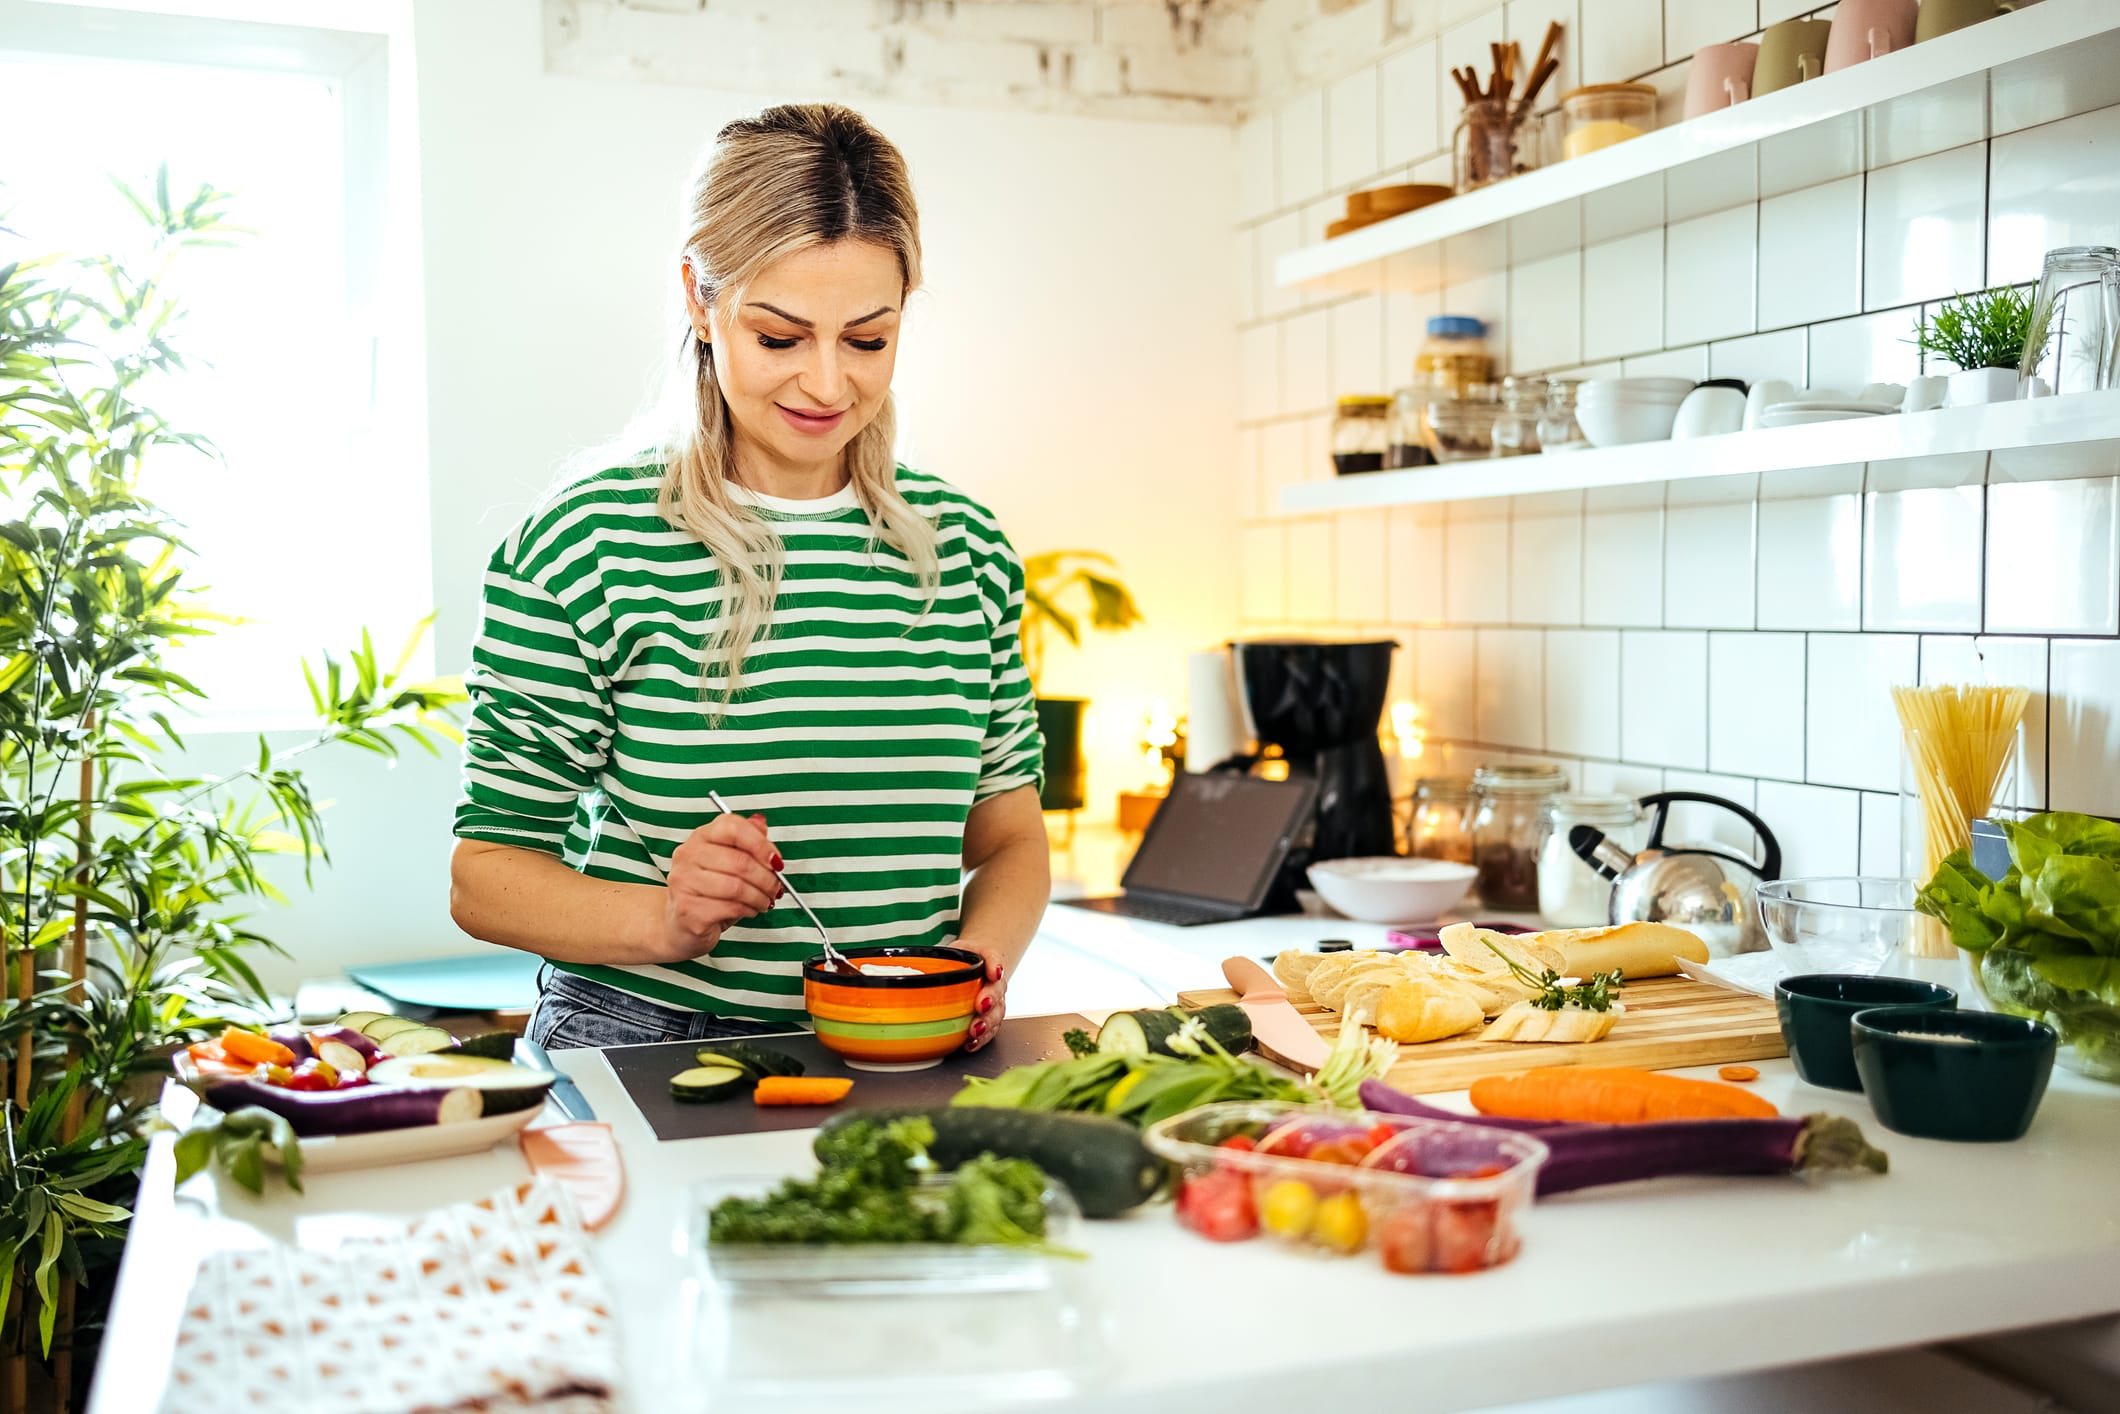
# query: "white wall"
1070,363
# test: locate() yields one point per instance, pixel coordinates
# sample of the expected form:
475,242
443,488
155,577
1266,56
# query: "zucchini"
1148,1032
386,1026
358,1020
1101,1161
710,1082
421,1041
491,1045
758,1060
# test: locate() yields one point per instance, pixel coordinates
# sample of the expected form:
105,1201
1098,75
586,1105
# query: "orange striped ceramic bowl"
890,1020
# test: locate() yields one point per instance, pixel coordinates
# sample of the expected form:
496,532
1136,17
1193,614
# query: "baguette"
1638,950
1415,1012
1525,1022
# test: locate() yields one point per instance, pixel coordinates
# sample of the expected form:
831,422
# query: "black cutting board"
645,1071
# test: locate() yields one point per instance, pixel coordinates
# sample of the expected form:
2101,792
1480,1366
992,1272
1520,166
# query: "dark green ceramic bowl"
1969,1075
1815,1011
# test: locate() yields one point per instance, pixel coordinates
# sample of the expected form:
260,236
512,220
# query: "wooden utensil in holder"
1492,140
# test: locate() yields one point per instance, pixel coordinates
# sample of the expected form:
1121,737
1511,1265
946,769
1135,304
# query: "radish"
363,1110
1592,1155
348,1052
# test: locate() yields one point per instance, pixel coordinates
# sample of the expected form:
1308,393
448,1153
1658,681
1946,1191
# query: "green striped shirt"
864,731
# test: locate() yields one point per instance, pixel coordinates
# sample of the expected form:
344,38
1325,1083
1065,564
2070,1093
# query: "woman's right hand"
722,872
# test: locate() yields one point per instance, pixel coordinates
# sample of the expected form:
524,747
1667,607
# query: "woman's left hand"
993,997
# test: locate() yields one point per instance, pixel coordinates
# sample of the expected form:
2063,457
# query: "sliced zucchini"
1138,1033
493,1045
759,1060
418,1041
386,1026
358,1020
710,1082
504,1085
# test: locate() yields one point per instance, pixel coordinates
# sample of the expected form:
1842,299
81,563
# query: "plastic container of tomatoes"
1423,1195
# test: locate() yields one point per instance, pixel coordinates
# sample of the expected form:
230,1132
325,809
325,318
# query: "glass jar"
1493,142
1571,894
1508,817
1453,359
1441,827
1408,446
1516,425
1603,114
1361,431
1557,428
1461,428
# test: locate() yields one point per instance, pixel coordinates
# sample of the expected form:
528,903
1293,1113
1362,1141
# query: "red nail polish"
778,862
986,1004
978,1027
998,970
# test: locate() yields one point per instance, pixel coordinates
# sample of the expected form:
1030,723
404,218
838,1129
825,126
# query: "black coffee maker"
1321,703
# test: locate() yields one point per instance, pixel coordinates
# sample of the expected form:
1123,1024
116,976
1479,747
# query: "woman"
767,607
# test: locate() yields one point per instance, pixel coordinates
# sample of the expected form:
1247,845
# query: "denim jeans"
573,1013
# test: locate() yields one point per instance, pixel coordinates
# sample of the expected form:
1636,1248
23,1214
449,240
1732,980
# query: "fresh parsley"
1594,995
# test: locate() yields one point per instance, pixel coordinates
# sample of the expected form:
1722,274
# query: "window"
304,334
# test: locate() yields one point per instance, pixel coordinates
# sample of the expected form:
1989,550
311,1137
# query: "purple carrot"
1592,1155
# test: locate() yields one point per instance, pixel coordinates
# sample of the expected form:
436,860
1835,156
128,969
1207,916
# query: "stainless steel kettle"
1704,890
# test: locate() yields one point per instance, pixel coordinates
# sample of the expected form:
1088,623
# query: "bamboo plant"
124,879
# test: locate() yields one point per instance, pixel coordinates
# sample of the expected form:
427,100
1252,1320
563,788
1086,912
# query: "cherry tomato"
1349,1149
1341,1224
1242,1143
1380,1135
1287,1208
1403,1241
1464,1235
1218,1206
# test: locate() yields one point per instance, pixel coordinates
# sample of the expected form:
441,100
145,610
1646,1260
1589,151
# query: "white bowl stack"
1615,411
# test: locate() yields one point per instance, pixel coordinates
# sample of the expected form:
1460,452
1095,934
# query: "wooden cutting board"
1669,1022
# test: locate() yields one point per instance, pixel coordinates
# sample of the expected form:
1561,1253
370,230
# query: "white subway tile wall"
1728,636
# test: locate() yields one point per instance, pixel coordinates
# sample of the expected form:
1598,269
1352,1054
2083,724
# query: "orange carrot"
1598,1095
801,1090
1739,1073
250,1046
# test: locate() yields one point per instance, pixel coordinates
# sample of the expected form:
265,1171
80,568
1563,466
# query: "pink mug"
1721,77
1868,29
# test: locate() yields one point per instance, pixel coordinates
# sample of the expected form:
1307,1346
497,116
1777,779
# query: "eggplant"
362,1110
1593,1155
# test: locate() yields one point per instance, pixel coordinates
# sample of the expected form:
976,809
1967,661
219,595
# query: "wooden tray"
1669,1022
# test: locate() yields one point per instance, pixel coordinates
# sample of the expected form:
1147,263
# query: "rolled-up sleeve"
1013,752
541,719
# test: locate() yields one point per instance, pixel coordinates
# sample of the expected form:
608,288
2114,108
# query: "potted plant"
1060,589
1984,335
124,874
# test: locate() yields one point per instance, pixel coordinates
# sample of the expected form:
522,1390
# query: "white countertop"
1613,1288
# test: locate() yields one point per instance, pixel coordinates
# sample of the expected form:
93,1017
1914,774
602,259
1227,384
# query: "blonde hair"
796,176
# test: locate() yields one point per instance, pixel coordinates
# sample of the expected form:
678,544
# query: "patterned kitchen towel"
485,1306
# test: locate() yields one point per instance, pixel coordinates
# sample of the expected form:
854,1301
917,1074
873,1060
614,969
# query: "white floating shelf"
2048,61
2071,436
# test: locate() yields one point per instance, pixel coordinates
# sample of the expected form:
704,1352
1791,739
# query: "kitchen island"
1613,1288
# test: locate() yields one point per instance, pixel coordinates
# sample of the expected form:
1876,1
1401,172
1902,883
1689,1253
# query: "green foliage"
1989,329
1059,587
124,882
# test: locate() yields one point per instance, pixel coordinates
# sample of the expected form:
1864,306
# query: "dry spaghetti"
1960,740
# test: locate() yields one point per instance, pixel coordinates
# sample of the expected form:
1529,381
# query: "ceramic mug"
1721,77
1940,17
1790,53
1868,29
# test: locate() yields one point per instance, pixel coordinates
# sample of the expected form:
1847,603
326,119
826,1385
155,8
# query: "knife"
565,1093
1278,1030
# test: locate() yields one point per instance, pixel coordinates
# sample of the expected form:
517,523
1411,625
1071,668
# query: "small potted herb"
1985,336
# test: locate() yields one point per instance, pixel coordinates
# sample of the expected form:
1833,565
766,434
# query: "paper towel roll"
1214,721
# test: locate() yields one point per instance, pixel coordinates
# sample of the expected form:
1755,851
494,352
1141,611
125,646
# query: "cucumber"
758,1060
491,1045
358,1020
710,1082
1147,1032
385,1026
1101,1161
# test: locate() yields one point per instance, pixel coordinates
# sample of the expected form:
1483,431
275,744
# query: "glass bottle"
1557,429
1453,359
1516,425
1408,446
1508,816
1361,431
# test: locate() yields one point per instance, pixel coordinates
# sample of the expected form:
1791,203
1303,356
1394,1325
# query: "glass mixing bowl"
1846,924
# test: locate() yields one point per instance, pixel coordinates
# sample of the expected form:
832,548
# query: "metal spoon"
833,958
